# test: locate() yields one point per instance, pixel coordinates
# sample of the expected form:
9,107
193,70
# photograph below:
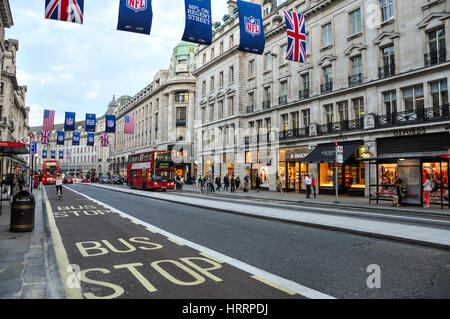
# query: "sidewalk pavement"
407,229
321,199
23,256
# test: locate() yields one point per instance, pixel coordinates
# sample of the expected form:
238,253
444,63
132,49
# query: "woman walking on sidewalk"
427,188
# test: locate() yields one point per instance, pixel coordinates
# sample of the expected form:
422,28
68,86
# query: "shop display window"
327,175
439,176
356,175
388,175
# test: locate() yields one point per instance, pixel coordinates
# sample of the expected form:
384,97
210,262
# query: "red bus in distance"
151,170
51,169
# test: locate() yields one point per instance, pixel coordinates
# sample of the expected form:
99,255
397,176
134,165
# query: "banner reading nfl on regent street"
198,27
135,16
252,39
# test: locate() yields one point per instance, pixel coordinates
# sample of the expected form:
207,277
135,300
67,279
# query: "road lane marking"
211,257
61,255
173,240
151,230
273,279
288,291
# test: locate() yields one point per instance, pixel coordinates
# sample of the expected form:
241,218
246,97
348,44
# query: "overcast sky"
78,68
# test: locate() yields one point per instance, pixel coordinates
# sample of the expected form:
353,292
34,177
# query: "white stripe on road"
261,274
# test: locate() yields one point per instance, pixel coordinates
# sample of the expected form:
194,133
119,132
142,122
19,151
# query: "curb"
285,220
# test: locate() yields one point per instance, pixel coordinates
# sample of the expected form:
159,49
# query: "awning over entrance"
12,148
327,153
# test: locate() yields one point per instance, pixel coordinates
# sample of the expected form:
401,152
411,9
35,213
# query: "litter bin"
22,212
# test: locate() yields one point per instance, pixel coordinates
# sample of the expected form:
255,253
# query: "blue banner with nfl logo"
135,16
53,154
69,123
76,139
61,155
198,21
253,39
60,138
90,139
110,123
44,154
90,123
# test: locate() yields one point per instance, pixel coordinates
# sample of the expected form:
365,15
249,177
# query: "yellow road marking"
211,257
290,292
151,230
175,242
137,223
61,254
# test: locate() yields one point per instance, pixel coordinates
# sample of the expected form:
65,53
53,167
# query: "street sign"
25,140
340,154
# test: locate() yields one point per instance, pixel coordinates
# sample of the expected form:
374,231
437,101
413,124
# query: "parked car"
118,180
68,179
105,180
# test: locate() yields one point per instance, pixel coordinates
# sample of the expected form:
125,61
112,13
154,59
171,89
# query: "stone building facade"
376,75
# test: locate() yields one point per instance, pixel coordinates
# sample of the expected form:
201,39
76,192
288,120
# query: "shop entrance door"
439,175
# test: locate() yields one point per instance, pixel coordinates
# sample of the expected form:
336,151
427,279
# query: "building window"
285,122
251,99
390,102
221,79
231,74
327,35
268,61
295,120
212,53
221,47
356,76
211,84
283,51
203,88
358,108
220,110
436,45
439,93
306,117
181,114
266,10
355,22
181,97
308,45
388,68
328,112
301,7
413,98
231,106
231,41
204,114
387,10
251,68
204,58
211,112
343,111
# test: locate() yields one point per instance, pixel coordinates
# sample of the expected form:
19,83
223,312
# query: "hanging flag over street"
69,122
65,10
76,139
198,27
90,123
45,137
53,154
44,154
105,139
61,155
252,38
49,120
60,138
296,33
129,124
135,16
110,123
90,139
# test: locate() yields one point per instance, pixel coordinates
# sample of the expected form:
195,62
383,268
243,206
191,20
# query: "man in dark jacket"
258,183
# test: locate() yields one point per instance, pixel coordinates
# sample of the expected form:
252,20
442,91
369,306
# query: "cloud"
91,95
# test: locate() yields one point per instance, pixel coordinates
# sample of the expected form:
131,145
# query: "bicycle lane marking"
290,288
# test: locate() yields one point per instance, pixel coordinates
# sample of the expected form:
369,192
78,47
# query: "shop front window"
439,181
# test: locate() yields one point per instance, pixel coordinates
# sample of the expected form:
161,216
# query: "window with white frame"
328,112
387,9
358,108
413,98
355,22
327,35
268,61
439,93
390,102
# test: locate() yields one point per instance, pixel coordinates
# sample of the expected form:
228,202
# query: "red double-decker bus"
151,170
50,169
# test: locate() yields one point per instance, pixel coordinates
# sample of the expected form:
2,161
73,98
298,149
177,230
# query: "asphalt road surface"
138,247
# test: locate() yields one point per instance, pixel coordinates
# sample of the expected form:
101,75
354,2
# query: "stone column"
171,129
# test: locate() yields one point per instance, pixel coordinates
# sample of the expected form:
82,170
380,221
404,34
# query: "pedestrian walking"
279,188
226,182
232,184
258,183
238,182
313,184
427,188
308,186
218,183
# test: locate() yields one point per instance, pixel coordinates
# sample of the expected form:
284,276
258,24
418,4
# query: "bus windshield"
163,176
51,169
163,156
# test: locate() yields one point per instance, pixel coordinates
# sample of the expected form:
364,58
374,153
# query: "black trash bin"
22,212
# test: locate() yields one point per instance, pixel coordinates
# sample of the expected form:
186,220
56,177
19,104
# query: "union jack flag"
45,137
296,32
105,139
65,10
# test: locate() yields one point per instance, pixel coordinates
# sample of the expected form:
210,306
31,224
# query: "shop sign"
410,131
338,139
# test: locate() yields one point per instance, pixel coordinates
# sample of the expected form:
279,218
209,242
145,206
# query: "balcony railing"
294,133
282,100
303,94
180,123
386,71
339,127
432,114
250,109
435,57
327,87
355,79
266,105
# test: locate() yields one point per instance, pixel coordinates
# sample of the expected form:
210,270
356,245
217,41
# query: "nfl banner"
135,16
60,138
69,123
198,27
76,139
44,154
61,155
110,123
90,123
296,33
53,154
253,39
65,10
90,139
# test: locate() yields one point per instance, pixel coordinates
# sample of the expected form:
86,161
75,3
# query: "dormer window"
266,10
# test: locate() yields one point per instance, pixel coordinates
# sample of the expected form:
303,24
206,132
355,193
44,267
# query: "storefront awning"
327,153
12,148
